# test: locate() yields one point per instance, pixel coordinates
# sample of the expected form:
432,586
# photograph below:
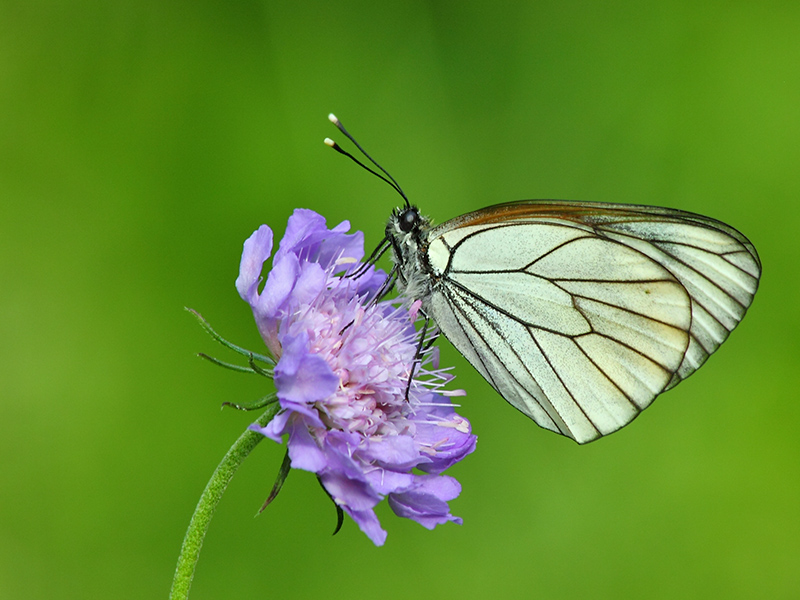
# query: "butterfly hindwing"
580,314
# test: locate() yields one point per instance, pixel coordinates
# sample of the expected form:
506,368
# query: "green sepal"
225,365
268,373
286,466
339,511
251,368
238,349
260,403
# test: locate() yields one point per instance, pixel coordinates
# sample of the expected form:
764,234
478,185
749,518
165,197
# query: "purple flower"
342,378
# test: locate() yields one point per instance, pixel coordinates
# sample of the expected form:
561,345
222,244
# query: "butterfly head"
407,231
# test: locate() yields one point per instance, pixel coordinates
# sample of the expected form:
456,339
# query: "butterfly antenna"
388,178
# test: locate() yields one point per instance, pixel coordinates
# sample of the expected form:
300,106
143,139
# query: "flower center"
372,355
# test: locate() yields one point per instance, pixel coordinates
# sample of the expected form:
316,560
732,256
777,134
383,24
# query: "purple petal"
306,411
308,237
354,494
349,246
369,524
304,452
311,281
427,503
257,249
275,429
451,438
342,448
302,225
301,376
386,482
269,306
396,452
278,288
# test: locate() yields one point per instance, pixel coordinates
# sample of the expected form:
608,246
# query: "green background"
141,144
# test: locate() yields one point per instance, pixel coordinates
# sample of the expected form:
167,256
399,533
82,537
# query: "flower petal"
278,288
301,376
354,494
308,237
369,524
302,225
385,481
450,439
275,429
396,452
303,450
311,282
427,503
257,249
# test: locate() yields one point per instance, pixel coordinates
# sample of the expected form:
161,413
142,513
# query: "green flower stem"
198,526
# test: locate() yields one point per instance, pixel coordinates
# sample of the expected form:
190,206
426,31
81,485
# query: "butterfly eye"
408,220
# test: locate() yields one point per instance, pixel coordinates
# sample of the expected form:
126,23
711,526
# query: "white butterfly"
578,313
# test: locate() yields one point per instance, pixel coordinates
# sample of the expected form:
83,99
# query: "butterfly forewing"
580,314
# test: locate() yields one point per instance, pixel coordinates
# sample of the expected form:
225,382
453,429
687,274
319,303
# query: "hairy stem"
198,526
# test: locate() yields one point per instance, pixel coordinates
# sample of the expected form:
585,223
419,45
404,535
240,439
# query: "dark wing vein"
487,346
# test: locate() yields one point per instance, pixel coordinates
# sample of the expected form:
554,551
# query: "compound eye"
408,220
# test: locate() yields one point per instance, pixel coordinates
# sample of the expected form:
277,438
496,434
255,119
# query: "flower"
353,415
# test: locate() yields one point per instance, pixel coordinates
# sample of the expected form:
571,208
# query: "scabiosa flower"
352,415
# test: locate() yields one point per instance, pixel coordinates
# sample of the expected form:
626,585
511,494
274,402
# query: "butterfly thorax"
407,230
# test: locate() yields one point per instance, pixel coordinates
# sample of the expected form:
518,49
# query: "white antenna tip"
332,118
329,142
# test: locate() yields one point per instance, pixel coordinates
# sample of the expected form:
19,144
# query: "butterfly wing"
580,314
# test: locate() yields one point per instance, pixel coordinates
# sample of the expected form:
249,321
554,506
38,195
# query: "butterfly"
579,314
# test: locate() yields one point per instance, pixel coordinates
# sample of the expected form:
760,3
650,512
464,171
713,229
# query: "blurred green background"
142,142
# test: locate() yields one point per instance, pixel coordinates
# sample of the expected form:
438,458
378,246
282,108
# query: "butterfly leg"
385,288
422,348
